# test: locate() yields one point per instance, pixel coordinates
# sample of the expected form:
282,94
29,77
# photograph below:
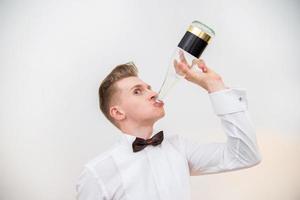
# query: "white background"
54,54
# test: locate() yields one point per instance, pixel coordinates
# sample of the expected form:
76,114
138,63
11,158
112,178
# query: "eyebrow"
141,85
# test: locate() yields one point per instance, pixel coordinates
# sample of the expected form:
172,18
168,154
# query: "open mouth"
158,103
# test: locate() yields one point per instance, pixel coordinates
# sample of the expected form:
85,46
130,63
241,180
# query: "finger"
201,64
182,57
180,67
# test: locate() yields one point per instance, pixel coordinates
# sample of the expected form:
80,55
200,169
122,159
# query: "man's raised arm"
231,106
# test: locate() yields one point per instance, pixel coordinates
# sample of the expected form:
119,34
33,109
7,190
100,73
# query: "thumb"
181,68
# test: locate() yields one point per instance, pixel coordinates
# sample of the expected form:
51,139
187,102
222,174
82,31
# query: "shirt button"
240,99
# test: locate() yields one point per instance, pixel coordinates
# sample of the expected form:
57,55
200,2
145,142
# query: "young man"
145,164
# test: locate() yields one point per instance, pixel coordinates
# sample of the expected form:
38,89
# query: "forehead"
127,83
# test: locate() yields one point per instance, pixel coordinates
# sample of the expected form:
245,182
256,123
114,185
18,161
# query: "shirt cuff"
229,100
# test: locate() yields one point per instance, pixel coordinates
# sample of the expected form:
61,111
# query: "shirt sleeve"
239,151
89,187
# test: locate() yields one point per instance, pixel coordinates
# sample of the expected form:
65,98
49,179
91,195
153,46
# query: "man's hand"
209,80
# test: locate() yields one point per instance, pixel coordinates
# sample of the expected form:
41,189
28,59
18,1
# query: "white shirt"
163,172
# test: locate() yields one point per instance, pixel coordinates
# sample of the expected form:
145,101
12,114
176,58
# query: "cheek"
132,105
136,108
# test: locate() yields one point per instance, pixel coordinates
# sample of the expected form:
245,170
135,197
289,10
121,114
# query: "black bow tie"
140,143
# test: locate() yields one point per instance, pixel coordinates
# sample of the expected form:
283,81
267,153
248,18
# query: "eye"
137,91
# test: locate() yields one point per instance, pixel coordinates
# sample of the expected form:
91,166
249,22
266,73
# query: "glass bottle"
189,48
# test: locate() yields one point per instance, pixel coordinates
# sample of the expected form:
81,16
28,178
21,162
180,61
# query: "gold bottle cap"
199,33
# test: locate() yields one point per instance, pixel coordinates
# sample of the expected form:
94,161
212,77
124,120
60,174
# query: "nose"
153,95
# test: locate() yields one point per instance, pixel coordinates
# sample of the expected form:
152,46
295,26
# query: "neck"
138,131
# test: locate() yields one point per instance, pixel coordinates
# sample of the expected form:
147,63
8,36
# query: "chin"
156,115
161,115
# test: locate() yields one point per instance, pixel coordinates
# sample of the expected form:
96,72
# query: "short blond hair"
108,88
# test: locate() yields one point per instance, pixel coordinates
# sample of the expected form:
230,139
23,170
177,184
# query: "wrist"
215,85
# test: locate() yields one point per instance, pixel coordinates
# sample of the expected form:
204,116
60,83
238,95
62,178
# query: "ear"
117,113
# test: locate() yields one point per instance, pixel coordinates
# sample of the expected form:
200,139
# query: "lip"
158,103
